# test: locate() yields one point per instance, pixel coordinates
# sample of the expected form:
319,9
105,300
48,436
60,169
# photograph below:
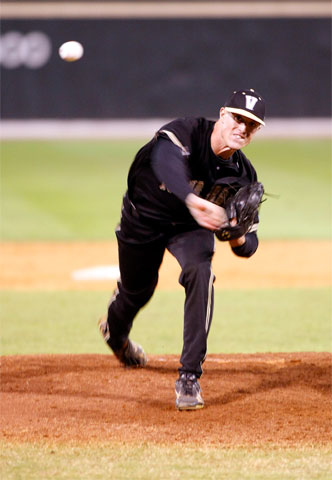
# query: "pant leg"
194,251
139,265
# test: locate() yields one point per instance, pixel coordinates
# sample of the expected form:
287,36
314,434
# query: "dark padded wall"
168,67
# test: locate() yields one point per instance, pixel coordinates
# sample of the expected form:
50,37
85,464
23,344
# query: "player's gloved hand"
243,207
206,214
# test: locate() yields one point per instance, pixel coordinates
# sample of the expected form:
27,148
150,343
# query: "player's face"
237,130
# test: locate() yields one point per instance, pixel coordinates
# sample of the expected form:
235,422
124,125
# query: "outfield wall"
145,129
164,67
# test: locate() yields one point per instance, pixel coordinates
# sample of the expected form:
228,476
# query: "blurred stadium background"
150,61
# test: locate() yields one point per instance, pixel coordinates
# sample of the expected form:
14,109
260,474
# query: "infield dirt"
42,265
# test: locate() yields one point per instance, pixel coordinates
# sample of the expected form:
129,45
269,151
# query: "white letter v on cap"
251,102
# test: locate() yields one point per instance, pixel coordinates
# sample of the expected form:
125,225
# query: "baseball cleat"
130,354
188,392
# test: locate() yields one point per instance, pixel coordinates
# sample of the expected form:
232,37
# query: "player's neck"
219,147
223,152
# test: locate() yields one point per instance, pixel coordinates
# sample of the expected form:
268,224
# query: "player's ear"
222,113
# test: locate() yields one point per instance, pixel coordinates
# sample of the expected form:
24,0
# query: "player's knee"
138,298
192,272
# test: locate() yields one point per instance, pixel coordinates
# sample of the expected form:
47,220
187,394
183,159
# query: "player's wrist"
238,242
190,198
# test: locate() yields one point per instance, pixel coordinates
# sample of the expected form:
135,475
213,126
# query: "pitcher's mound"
249,400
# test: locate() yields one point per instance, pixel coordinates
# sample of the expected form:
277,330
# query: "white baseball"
71,51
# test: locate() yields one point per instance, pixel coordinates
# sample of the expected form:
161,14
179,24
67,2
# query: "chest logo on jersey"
217,194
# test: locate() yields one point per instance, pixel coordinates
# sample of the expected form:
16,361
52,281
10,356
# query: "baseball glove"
243,206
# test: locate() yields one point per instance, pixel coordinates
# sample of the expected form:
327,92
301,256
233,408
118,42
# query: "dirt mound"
280,399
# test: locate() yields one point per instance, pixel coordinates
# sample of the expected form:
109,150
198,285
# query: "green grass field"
155,462
71,191
248,321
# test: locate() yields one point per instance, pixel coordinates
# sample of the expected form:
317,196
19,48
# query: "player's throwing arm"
206,214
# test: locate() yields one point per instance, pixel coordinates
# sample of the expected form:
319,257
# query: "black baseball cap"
247,103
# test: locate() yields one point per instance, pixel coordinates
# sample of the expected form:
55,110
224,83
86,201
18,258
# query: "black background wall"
166,67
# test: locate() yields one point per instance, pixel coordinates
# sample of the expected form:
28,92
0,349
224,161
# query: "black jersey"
206,173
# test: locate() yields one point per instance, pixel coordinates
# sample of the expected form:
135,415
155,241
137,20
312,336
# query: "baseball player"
174,201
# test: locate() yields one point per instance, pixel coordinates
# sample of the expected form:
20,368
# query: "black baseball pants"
139,263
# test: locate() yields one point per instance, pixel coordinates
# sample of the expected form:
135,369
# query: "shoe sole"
101,322
139,359
189,407
136,357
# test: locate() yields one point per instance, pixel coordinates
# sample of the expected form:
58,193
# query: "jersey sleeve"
180,132
170,167
249,247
